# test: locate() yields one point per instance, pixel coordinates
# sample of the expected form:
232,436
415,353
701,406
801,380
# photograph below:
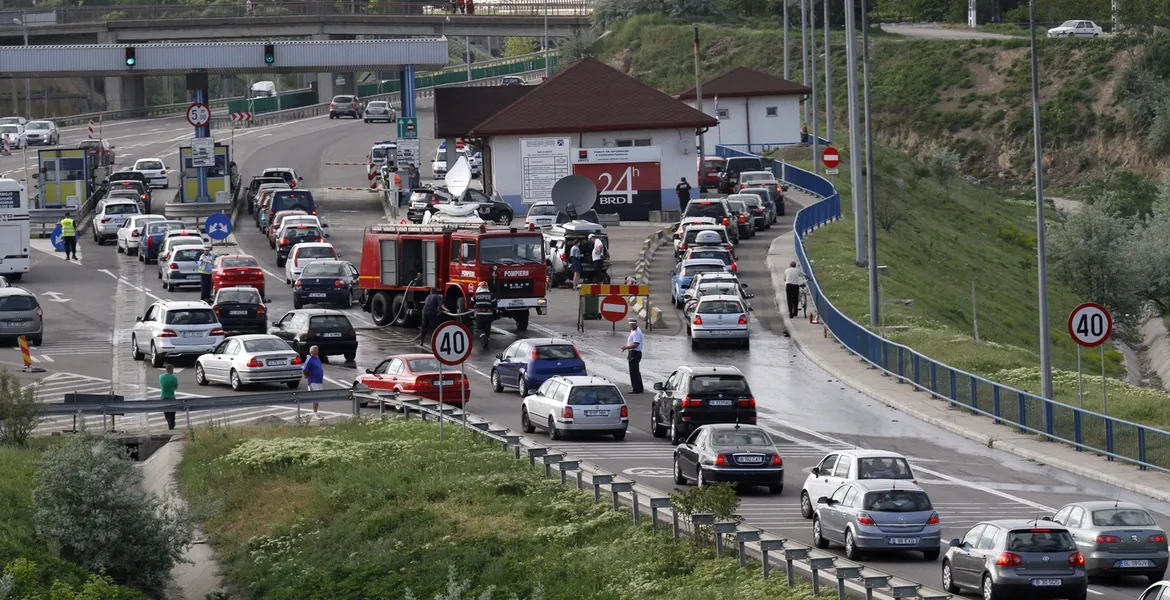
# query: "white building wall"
679,159
748,121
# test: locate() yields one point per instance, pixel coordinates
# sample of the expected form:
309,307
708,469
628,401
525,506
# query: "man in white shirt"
598,258
634,356
793,279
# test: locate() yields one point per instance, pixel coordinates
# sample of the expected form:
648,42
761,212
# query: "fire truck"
400,263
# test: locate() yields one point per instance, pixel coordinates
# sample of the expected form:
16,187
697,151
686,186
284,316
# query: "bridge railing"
1086,431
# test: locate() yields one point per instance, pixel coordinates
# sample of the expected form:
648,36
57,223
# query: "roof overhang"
610,127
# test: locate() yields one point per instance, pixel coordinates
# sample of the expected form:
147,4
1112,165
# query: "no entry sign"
831,157
1090,325
613,308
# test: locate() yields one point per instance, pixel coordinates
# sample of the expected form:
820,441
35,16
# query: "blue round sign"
218,226
57,239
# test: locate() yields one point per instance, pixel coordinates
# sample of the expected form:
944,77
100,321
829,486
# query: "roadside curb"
641,305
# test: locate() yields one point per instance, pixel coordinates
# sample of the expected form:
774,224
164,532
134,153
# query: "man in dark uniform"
485,310
683,189
430,315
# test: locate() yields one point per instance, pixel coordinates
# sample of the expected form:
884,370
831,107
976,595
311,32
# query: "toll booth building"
632,140
757,112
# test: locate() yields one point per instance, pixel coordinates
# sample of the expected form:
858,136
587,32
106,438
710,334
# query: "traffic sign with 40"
1090,325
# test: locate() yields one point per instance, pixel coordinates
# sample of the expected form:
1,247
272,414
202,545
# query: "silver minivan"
20,314
181,268
576,404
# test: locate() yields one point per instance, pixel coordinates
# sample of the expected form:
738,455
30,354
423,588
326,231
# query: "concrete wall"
748,122
124,93
679,159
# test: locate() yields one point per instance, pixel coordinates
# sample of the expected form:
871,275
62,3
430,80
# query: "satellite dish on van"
576,191
458,177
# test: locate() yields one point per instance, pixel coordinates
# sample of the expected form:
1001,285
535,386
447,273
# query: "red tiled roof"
742,82
591,96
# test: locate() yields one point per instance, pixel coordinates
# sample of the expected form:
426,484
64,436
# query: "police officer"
69,236
683,189
206,265
633,350
485,310
430,316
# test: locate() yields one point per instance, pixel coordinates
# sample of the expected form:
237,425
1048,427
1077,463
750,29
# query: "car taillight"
168,333
164,172
293,184
933,520
106,220
1009,559
567,412
743,218
1108,539
682,246
725,221
298,284
743,319
1156,538
261,310
777,461
420,382
864,519
41,314
332,105
173,266
215,309
296,360
688,402
217,332
698,320
721,460
283,241
1076,559
255,362
747,403
337,283
625,412
532,355
354,105
563,258
134,233
734,267
149,241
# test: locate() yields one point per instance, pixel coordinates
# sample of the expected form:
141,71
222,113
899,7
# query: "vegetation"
375,509
19,414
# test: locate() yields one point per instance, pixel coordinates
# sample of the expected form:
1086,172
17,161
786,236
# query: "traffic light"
130,59
269,54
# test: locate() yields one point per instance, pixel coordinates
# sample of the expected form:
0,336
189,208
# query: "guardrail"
136,113
1116,439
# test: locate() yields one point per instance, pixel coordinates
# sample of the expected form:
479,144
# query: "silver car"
1016,557
20,314
180,267
110,215
1117,538
172,328
42,132
249,359
576,404
720,319
379,110
877,516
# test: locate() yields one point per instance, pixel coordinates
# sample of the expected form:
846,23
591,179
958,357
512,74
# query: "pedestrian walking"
598,257
413,177
69,236
471,7
575,261
314,375
683,189
251,8
430,315
633,349
167,384
793,280
206,265
803,133
485,311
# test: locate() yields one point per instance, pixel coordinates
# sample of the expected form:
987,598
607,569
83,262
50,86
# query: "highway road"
807,410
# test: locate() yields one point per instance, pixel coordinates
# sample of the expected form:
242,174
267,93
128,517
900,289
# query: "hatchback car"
877,516
1016,558
772,198
379,110
729,177
703,235
345,106
740,454
681,276
21,315
109,217
295,236
240,310
695,396
288,174
417,375
541,215
742,219
277,222
749,179
714,208
329,330
720,320
154,170
760,215
304,254
716,252
233,270
1119,538
133,229
180,267
292,220
250,359
327,281
852,465
254,188
527,364
172,328
42,132
686,223
576,404
153,237
714,288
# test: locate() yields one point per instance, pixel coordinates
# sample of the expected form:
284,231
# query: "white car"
175,328
42,132
303,254
131,232
1076,29
577,403
379,110
248,359
154,170
170,245
541,215
13,121
851,465
294,220
13,135
714,288
110,215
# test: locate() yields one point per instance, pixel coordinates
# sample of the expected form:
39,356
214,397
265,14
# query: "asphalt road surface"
807,410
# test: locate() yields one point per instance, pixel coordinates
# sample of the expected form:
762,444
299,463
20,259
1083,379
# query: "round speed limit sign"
198,114
451,343
1090,325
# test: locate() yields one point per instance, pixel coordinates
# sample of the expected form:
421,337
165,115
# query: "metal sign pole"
440,400
462,395
1104,385
1080,379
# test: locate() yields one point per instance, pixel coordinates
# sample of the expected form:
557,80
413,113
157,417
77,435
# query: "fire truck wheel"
521,320
398,311
461,307
380,309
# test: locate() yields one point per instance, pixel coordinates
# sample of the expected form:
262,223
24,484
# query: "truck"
400,263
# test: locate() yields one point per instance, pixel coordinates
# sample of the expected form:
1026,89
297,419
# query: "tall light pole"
812,36
547,67
854,137
828,82
27,93
804,56
875,307
1041,251
787,72
699,106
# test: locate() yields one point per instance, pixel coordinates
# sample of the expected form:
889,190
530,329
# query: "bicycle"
803,304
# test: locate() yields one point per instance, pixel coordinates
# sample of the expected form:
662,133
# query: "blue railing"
1116,439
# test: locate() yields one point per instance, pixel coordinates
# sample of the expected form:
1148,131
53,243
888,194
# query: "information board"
9,199
202,152
543,162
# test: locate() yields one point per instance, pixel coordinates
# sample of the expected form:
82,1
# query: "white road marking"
122,280
337,383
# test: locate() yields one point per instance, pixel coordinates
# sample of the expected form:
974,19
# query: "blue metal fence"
1087,431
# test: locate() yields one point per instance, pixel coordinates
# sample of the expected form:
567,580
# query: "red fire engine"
400,263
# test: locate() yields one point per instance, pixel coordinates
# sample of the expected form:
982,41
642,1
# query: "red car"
712,167
416,375
233,270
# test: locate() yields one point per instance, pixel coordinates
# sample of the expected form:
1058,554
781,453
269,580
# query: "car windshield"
712,164
1069,24
761,193
380,152
343,99
187,255
543,210
592,395
736,206
285,175
38,125
421,196
89,144
888,467
238,261
266,345
511,249
333,322
154,228
556,352
705,209
715,254
1040,540
14,303
289,200
721,384
148,165
1122,517
693,270
693,234
246,296
740,437
191,316
121,209
589,215
322,269
307,232
752,202
719,307
746,177
897,501
9,128
316,252
377,104
424,365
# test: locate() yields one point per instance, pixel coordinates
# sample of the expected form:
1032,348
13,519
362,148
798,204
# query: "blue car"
526,364
681,276
152,240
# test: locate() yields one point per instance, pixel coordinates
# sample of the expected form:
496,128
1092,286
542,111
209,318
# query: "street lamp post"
547,67
1041,251
27,94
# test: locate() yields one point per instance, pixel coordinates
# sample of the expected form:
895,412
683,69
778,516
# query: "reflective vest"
484,302
67,228
206,263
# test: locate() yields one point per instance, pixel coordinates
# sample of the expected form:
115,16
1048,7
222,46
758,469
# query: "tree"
19,410
887,211
943,163
519,46
576,47
89,503
1125,193
1089,252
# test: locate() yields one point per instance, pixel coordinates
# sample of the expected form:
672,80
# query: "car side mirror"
1046,518
266,300
137,319
370,371
955,543
824,500
751,309
658,387
816,471
276,324
500,355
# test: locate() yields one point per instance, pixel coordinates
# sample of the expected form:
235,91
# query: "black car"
759,213
328,329
694,396
254,186
129,181
297,234
772,197
741,454
716,209
240,310
735,165
424,200
743,220
326,282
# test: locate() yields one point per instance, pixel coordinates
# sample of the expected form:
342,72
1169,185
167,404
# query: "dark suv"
694,396
716,209
350,106
329,330
729,178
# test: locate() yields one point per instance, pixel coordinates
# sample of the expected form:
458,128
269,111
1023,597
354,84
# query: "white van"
263,89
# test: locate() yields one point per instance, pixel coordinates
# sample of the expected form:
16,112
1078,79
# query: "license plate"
1046,582
445,382
192,334
1134,564
597,413
276,362
511,303
717,332
195,276
15,323
317,295
901,541
749,459
719,402
238,312
331,334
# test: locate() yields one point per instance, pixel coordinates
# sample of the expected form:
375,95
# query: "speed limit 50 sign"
1090,325
451,343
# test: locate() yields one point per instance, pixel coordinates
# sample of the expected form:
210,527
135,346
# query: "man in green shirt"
167,383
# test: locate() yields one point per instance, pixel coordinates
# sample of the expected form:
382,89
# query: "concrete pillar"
125,93
325,88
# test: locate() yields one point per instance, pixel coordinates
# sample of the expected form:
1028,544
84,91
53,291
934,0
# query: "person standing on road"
69,236
598,258
633,350
206,266
167,384
314,375
485,311
575,262
683,189
430,315
793,279
413,177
